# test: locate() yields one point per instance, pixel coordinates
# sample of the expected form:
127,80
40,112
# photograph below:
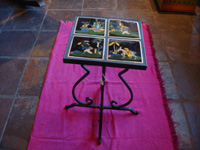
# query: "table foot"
99,141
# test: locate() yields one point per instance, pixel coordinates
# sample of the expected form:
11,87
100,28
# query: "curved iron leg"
88,100
113,103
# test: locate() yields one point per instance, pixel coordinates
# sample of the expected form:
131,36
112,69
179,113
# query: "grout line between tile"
82,7
188,124
6,122
193,25
7,96
38,57
22,75
8,18
15,30
67,9
14,57
116,4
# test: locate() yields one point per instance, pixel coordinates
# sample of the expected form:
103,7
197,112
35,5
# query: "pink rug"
77,128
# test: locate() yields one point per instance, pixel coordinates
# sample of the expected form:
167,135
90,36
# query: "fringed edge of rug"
164,96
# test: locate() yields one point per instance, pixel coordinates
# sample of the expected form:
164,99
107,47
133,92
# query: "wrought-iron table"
105,42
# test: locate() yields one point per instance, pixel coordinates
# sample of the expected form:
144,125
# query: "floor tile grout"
22,75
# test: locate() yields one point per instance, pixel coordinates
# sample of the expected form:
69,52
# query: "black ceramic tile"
5,105
4,15
17,43
187,79
44,44
10,73
33,78
20,124
63,4
25,20
96,4
53,18
181,126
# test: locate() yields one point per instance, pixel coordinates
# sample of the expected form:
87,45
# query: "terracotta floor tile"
174,23
53,18
17,43
136,5
4,14
44,44
160,49
20,124
63,4
25,20
196,22
100,13
169,82
181,126
96,4
187,79
5,105
32,81
182,47
193,114
10,74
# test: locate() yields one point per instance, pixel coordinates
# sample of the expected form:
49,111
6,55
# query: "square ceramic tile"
96,4
20,124
25,20
193,114
33,78
53,18
17,43
63,4
187,79
168,23
44,44
169,82
5,105
181,126
4,16
10,73
135,5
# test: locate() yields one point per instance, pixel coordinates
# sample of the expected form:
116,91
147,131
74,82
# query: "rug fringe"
164,96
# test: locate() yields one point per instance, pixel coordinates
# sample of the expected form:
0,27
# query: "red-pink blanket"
56,128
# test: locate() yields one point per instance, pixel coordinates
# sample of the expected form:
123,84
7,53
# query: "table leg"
113,103
101,105
89,101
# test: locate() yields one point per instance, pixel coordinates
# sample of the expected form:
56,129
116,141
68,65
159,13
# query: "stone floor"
26,40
